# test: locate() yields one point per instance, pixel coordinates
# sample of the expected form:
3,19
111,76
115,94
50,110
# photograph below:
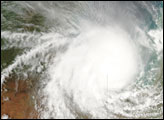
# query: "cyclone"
93,59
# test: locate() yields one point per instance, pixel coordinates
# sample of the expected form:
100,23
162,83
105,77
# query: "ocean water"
87,59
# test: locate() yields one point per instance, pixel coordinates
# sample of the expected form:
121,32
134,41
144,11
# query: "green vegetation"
25,21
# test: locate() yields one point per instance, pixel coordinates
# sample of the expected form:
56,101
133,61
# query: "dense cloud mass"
98,59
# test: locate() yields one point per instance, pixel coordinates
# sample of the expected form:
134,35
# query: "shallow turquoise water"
34,34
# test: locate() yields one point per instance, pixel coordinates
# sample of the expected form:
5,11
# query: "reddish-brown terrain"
17,104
